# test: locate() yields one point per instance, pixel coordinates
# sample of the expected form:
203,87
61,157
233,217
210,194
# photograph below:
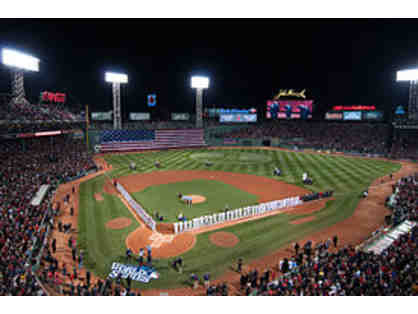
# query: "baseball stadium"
268,199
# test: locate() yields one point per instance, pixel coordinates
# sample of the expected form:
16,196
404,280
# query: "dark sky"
339,62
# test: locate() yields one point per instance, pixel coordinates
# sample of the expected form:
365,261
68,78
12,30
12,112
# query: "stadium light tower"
116,79
412,77
18,63
199,83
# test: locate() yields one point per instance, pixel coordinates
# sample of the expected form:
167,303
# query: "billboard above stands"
139,116
354,108
352,115
53,97
289,109
180,116
238,118
101,116
216,112
334,116
373,115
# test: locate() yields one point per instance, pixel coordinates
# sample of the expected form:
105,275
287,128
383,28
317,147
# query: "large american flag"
132,140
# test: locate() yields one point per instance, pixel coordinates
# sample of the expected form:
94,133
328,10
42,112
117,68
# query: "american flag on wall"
131,140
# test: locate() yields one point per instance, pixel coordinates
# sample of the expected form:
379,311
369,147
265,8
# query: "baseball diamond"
183,172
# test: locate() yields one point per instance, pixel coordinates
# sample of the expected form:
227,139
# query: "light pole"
412,77
116,79
18,63
199,83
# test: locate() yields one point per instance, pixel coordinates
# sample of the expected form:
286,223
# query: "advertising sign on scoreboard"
354,108
238,118
334,116
289,109
102,116
180,116
373,115
139,116
216,112
352,115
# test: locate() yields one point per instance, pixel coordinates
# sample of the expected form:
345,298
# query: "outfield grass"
163,198
345,175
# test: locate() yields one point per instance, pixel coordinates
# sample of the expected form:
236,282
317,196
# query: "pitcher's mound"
224,239
196,199
98,197
118,223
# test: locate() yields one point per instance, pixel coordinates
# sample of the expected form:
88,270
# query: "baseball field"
235,178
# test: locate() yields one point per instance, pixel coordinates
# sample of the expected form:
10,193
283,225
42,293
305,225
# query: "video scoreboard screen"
289,109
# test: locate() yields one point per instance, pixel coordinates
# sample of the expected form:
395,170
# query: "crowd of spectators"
405,146
21,127
26,112
358,137
326,270
24,167
404,204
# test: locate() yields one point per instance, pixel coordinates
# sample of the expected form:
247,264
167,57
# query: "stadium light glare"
200,82
407,75
19,60
116,77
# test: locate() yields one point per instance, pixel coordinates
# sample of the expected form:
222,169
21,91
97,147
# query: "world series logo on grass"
137,273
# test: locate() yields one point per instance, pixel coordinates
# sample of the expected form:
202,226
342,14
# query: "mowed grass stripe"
361,174
326,176
354,173
290,168
320,180
347,176
286,174
364,169
340,182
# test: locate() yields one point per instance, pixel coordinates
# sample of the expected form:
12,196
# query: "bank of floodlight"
19,60
200,82
112,77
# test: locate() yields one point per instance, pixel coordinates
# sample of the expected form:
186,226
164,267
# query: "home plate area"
157,239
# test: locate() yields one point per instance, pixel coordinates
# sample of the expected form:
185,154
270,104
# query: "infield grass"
163,198
347,176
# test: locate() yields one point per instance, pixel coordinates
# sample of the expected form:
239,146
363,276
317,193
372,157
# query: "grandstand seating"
406,145
24,167
133,140
359,137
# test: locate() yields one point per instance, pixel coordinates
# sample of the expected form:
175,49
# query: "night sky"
339,62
